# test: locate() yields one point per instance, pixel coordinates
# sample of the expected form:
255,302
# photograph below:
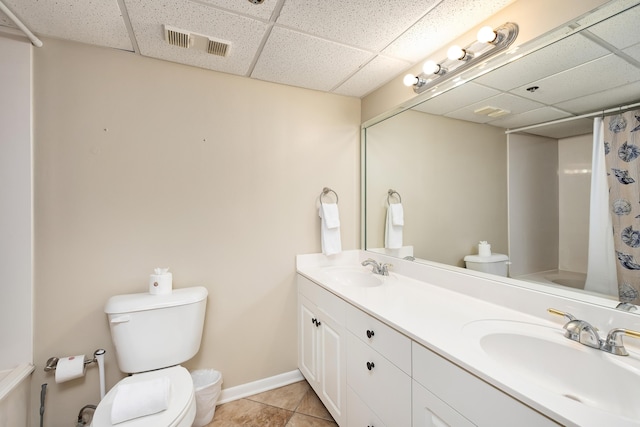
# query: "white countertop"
435,317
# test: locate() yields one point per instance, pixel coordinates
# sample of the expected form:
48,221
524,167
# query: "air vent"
492,111
218,48
176,37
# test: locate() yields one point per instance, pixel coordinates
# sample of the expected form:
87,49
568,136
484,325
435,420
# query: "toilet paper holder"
52,362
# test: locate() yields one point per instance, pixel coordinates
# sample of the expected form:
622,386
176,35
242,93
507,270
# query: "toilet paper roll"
161,284
70,368
484,249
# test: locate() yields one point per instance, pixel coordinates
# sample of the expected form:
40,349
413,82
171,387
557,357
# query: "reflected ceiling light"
490,42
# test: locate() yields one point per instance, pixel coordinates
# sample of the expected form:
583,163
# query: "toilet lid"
181,397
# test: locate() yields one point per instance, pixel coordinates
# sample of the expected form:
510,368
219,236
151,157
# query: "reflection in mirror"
527,194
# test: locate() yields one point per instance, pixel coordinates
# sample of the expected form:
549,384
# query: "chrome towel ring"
327,190
391,193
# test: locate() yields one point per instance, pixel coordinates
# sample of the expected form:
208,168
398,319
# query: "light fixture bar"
505,35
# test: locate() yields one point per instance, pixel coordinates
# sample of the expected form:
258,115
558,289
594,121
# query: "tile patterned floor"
295,405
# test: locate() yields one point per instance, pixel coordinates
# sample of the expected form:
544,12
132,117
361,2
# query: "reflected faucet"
382,269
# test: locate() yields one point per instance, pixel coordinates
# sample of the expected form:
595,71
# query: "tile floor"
295,405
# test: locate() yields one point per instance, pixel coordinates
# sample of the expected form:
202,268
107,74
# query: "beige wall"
141,163
452,176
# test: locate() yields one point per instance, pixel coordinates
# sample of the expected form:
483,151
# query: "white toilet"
152,335
497,264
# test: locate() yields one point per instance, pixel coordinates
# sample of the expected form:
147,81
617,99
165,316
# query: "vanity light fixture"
489,43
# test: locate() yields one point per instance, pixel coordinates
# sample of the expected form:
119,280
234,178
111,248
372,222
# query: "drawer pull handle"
370,334
370,365
316,322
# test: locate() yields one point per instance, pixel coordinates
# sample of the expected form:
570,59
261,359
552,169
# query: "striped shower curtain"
622,152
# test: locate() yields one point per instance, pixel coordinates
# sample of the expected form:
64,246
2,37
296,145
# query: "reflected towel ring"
390,194
327,190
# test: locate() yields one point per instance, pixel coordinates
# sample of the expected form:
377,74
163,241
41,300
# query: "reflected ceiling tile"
373,75
633,51
243,34
297,59
97,22
562,55
602,74
513,104
603,100
564,129
532,117
354,22
621,30
447,21
456,98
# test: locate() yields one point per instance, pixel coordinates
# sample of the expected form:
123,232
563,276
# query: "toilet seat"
182,407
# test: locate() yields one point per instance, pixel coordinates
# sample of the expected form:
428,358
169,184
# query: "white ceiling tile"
456,98
560,56
244,34
596,76
262,11
97,22
633,52
371,76
564,129
355,22
447,21
531,117
298,59
621,30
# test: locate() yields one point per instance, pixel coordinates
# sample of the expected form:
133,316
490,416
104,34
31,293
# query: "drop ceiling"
345,47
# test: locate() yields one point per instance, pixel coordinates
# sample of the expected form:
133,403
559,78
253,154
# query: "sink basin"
353,276
542,356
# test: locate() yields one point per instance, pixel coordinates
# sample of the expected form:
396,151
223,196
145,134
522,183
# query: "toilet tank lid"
144,301
490,258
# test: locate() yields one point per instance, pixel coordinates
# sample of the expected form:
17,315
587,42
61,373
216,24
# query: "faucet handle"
613,344
568,316
384,269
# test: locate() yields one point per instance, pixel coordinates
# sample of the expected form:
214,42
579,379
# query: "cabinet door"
359,414
308,341
332,366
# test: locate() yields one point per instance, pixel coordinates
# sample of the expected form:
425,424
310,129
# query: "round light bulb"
455,52
430,67
486,35
410,80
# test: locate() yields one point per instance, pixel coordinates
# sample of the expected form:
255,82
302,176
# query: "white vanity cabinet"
378,372
321,345
447,395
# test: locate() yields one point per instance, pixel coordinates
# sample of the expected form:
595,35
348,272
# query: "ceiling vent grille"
215,47
176,37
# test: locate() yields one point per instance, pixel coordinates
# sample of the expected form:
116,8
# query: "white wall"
141,163
533,204
16,240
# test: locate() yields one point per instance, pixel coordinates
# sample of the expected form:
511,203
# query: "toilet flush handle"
120,319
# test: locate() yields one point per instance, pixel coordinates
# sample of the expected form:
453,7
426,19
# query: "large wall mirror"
475,163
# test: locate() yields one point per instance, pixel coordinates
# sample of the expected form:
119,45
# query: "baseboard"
255,387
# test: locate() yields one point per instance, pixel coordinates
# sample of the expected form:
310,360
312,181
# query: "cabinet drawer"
477,400
385,388
384,339
359,414
327,303
429,411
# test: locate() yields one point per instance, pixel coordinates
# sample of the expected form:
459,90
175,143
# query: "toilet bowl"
152,335
497,264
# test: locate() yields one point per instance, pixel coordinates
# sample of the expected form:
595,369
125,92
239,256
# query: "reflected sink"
353,276
542,356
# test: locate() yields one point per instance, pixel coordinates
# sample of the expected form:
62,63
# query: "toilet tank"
156,331
497,264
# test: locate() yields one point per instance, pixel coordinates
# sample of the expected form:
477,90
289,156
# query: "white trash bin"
207,384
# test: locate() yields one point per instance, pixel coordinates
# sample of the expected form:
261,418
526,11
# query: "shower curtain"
601,265
622,148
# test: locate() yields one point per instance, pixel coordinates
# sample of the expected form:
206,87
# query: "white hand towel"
397,214
140,399
330,228
392,233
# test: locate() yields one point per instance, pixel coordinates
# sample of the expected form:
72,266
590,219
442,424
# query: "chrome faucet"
585,333
382,269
